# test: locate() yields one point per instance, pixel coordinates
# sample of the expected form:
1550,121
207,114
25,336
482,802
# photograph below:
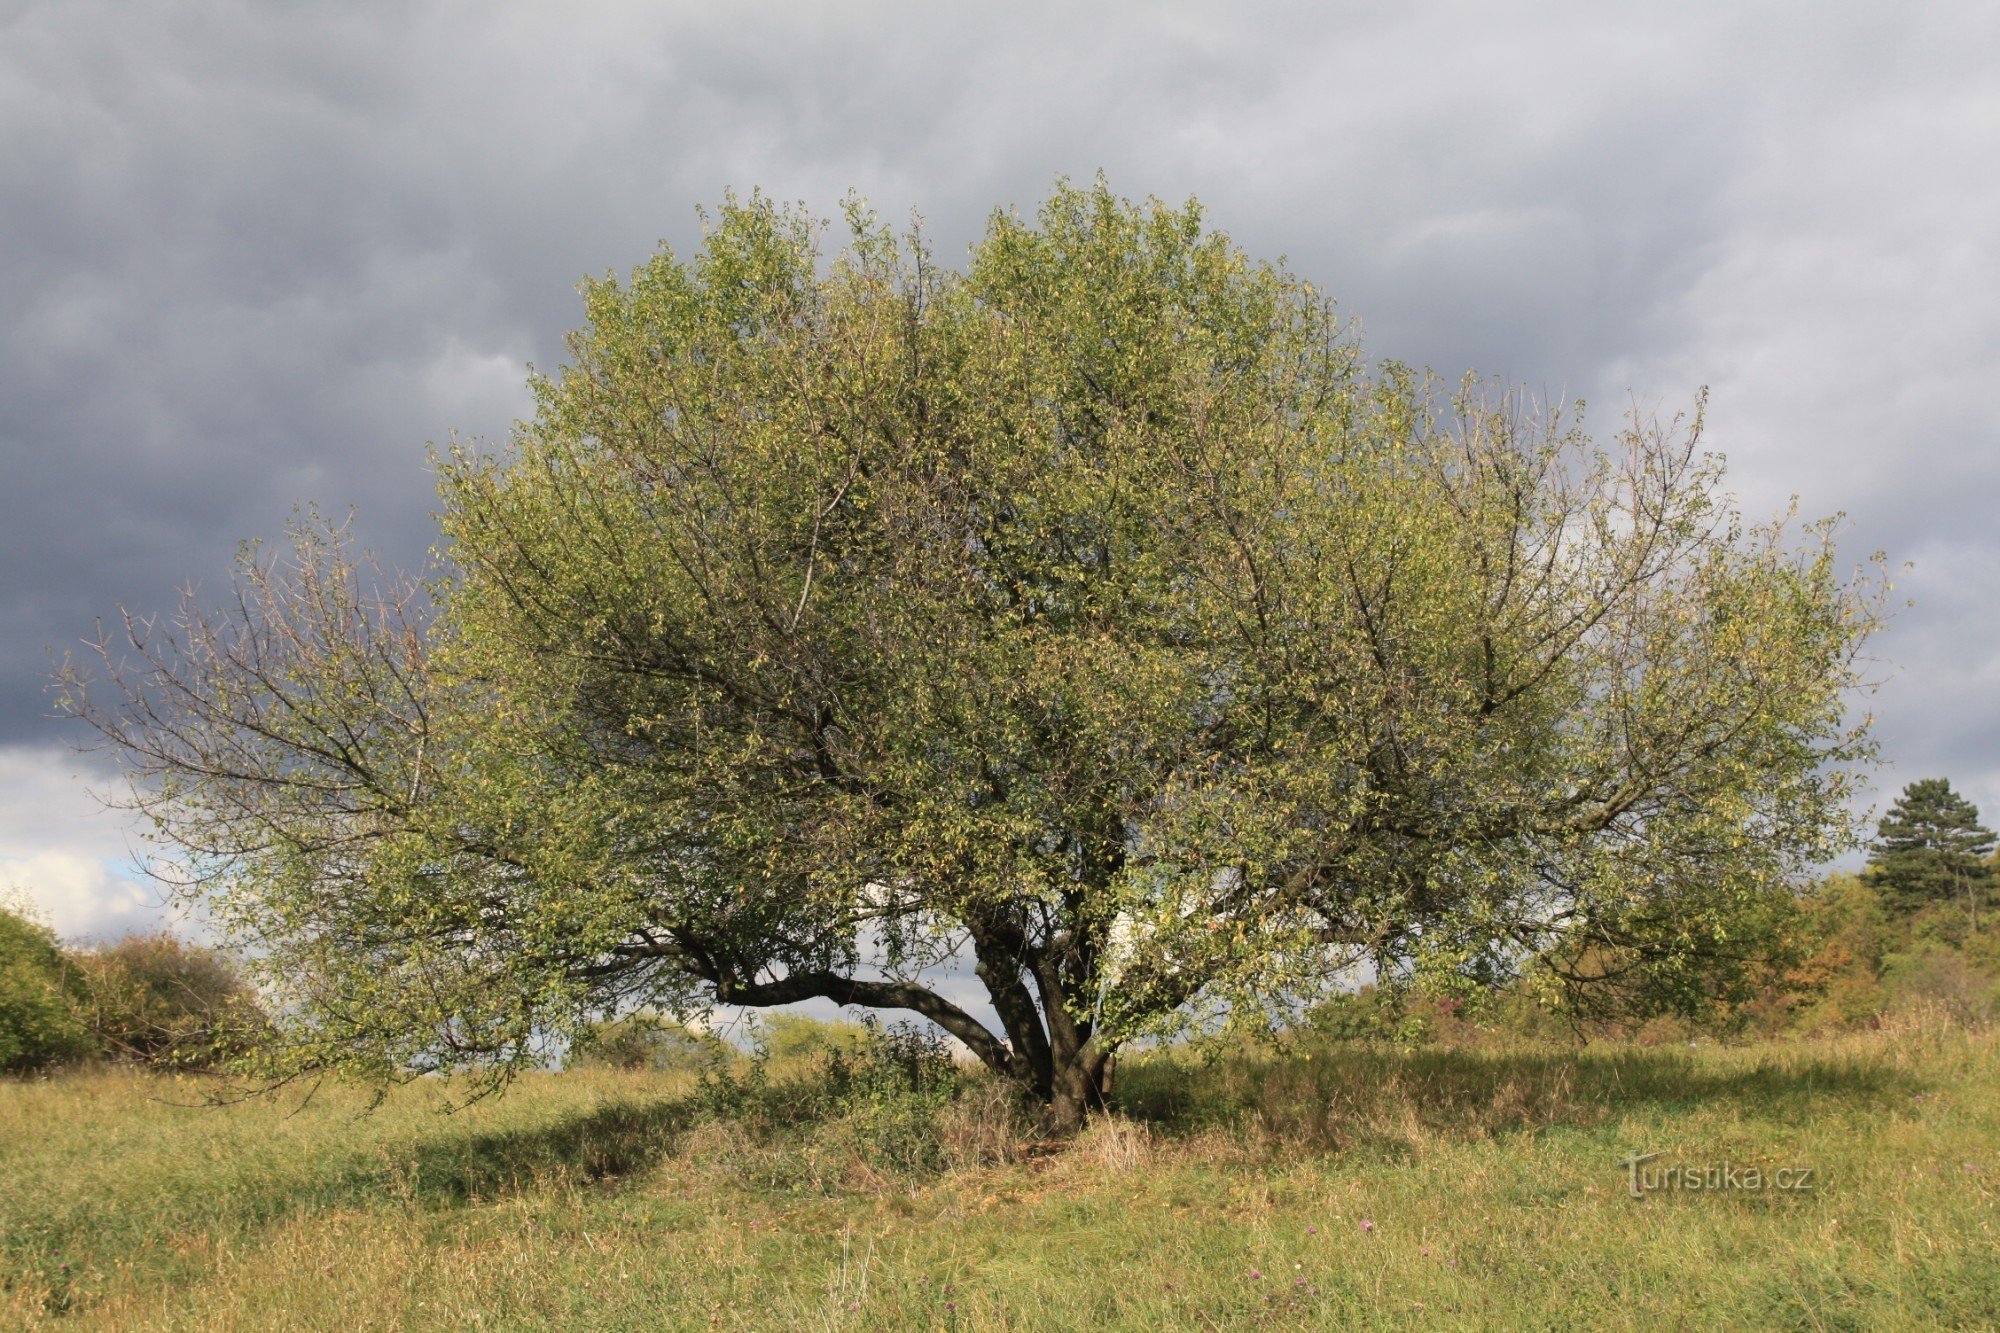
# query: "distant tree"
1094,615
1931,848
158,1000
37,1025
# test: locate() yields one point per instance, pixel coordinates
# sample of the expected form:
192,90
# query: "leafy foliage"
646,1041
1094,613
794,1037
37,1025
1867,957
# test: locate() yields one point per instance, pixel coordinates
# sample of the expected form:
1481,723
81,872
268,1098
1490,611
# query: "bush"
790,1037
157,1000
890,1096
1860,960
647,1041
1372,1013
1393,1015
38,1027
855,1106
1941,978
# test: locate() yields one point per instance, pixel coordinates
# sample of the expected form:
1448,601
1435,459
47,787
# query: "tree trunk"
1078,1088
1051,1052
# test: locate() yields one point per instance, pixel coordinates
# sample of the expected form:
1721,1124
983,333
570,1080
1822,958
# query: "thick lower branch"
992,1052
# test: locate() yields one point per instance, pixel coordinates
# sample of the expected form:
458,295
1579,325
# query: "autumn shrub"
159,1000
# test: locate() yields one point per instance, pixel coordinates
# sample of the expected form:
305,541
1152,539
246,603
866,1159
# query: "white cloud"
71,859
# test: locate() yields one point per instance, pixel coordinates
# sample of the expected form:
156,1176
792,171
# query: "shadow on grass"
1338,1097
428,1172
583,1147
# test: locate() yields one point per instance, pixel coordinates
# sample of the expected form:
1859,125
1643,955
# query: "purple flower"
1367,1225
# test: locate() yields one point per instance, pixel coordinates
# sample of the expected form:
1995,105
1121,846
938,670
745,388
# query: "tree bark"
1079,1089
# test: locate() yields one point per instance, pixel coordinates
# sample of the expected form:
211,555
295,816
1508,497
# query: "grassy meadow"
1328,1186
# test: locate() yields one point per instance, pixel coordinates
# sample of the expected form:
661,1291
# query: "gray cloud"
260,254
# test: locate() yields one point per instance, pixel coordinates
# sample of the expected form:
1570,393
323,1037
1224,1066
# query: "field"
1337,1186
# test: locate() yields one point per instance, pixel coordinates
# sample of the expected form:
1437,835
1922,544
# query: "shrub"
647,1041
37,1025
891,1096
157,1000
1372,1013
1941,978
787,1037
856,1106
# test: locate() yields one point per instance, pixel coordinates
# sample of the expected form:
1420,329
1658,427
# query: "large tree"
1093,616
1931,847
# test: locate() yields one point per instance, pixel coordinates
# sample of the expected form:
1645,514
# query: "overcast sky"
253,255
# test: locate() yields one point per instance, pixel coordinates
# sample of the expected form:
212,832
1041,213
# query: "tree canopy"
1931,847
1093,616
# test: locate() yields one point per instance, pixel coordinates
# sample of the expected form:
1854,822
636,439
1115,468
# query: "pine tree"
1931,847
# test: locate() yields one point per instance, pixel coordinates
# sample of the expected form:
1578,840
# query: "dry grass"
1355,1189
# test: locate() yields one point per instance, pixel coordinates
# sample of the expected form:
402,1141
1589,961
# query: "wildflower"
1254,1275
1367,1225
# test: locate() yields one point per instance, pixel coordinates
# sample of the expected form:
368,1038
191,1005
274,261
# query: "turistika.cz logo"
1713,1177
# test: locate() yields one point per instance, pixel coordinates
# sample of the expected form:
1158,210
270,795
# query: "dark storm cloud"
260,254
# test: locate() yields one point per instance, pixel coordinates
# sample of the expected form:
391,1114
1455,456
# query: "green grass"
1297,1189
